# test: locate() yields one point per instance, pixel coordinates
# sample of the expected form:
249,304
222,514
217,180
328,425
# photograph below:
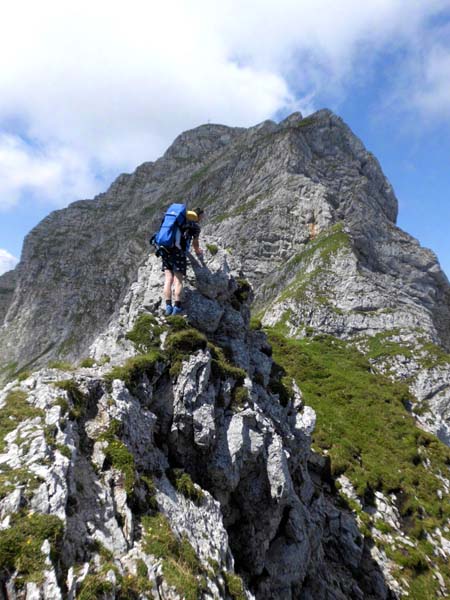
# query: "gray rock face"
7,285
258,510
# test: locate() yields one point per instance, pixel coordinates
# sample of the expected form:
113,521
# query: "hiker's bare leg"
178,287
168,285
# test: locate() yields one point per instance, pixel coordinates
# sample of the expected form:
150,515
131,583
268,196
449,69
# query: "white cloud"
54,174
7,261
103,86
434,96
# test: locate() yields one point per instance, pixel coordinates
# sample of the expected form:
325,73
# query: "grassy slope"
369,435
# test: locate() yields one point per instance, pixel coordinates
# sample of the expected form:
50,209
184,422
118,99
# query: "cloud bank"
7,261
90,89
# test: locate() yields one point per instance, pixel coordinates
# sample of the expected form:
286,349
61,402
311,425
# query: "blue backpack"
169,234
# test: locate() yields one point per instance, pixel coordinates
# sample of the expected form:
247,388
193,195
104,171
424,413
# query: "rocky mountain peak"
145,457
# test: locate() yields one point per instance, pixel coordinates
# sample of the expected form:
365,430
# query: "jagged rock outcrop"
107,463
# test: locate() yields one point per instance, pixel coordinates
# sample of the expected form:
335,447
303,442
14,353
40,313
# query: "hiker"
182,231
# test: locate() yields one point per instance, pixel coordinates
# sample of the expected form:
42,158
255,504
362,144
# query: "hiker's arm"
197,249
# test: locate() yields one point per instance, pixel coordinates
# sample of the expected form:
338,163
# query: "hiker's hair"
199,211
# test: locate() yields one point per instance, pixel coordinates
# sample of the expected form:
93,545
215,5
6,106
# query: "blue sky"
88,91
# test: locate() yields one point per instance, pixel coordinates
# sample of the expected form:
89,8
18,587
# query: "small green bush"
222,368
177,323
94,586
213,249
118,456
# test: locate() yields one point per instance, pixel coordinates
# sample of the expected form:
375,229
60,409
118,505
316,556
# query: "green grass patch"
222,368
255,323
94,586
23,375
183,483
87,363
312,262
434,356
180,344
61,365
383,346
11,479
134,368
118,456
181,567
145,334
212,248
239,398
177,323
20,545
64,450
15,410
235,586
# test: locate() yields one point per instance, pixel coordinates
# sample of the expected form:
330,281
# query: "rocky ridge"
174,471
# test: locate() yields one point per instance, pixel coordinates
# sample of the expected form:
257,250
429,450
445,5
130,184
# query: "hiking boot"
169,310
176,310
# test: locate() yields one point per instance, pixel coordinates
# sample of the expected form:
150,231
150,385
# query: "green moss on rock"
134,368
239,398
20,545
183,483
182,568
145,334
181,344
235,586
118,456
222,368
15,410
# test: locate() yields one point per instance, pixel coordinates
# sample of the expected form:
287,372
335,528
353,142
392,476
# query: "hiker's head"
199,212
